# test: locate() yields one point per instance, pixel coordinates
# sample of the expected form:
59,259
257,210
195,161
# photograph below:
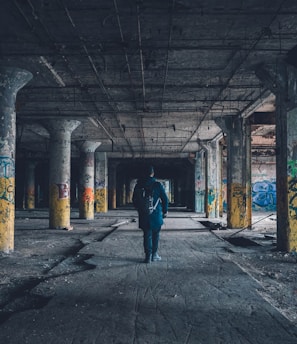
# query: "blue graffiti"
292,200
100,184
6,167
264,195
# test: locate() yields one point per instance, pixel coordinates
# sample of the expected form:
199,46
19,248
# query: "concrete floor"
89,285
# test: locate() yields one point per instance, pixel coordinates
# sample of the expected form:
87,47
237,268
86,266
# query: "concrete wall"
263,184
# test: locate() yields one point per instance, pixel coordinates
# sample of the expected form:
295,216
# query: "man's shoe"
148,259
156,257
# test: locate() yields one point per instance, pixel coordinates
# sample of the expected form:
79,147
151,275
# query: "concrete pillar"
288,240
11,80
123,194
30,184
59,174
87,179
238,171
128,191
282,81
200,187
101,186
213,180
177,188
112,186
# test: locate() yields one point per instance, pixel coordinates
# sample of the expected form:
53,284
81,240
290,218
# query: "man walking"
151,202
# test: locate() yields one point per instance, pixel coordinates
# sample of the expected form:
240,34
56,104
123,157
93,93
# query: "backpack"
145,200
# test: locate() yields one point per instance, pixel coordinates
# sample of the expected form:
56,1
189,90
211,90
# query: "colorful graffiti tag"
264,195
292,168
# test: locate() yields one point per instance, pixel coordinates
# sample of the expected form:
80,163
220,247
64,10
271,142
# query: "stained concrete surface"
89,285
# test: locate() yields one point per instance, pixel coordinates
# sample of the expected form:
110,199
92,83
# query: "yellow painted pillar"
87,179
11,80
238,171
7,207
30,185
291,235
129,194
101,182
123,194
237,207
59,174
112,185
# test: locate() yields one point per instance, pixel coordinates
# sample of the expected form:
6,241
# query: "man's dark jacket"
154,220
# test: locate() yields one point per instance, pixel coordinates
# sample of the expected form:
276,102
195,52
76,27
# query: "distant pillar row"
87,175
11,80
101,182
112,186
59,174
30,185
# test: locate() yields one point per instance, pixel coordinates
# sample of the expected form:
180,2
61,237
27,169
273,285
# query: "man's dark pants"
151,240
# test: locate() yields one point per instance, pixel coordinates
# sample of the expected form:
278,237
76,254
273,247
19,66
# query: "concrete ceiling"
145,78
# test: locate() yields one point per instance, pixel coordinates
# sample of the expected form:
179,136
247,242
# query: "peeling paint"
238,206
59,215
212,203
101,200
7,214
86,207
292,218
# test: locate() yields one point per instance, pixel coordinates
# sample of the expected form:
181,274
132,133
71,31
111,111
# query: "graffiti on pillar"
211,196
87,178
87,195
238,208
211,201
224,194
100,184
292,168
101,202
200,194
6,167
293,197
292,200
63,190
7,179
100,195
7,189
198,183
264,195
